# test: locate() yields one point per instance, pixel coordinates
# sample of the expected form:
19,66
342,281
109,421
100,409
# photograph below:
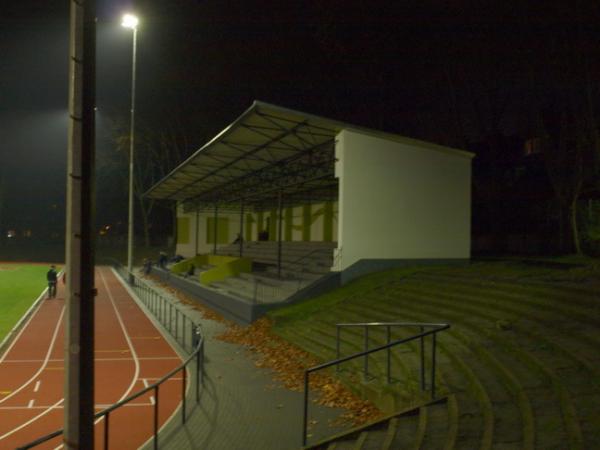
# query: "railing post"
422,339
198,369
183,331
337,346
156,417
305,417
433,350
366,361
389,355
183,385
106,431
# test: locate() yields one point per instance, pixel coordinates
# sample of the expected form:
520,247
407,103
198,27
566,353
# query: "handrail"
436,328
314,250
197,354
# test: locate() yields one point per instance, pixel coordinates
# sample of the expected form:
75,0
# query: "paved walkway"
241,406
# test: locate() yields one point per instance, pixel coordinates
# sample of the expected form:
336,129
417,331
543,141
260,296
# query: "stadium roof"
268,150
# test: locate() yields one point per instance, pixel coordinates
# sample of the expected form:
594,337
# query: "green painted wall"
222,230
328,222
259,223
249,222
306,222
288,220
183,230
273,225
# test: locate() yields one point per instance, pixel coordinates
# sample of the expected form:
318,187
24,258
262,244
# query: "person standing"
51,276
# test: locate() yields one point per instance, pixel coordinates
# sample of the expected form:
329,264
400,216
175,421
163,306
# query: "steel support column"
215,228
280,219
197,228
241,236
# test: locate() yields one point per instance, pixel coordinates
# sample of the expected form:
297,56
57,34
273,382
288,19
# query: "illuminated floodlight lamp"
129,21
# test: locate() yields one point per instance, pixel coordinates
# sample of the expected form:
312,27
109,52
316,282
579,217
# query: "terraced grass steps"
388,397
465,381
511,382
401,430
473,429
560,386
520,363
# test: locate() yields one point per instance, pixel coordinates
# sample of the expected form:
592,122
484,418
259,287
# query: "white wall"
399,200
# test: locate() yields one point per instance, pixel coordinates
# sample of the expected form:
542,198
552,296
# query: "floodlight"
130,21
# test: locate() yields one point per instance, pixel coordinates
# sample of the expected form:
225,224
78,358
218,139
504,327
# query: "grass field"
20,285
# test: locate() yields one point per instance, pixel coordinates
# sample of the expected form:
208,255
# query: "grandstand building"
311,201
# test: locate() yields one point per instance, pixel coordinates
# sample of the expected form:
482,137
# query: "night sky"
449,72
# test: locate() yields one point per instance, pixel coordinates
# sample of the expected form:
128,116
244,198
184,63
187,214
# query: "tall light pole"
131,21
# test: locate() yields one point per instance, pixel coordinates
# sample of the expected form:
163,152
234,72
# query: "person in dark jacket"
51,276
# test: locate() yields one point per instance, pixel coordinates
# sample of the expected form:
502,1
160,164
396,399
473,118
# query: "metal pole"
337,346
242,229
366,362
433,349
130,237
305,417
215,229
422,360
198,369
184,382
389,355
106,430
156,417
197,228
79,318
279,219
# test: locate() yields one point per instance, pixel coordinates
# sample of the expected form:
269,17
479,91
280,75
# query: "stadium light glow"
129,21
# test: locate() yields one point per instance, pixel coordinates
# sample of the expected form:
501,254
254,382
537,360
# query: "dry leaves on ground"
287,361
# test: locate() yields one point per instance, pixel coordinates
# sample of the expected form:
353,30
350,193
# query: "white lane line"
30,404
170,379
127,338
162,331
37,386
141,358
44,364
38,407
146,384
23,425
23,324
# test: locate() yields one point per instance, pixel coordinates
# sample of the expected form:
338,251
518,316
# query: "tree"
568,153
157,151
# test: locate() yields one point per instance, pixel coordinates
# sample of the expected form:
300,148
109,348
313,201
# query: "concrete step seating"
297,256
519,366
262,287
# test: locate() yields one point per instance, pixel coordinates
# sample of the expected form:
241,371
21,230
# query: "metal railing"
170,316
434,328
155,303
271,293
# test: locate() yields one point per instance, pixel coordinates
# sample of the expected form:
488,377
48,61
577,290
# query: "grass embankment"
520,361
20,286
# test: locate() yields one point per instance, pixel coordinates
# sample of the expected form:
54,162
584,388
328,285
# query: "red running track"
130,353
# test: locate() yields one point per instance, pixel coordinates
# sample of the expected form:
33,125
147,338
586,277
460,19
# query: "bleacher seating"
301,264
